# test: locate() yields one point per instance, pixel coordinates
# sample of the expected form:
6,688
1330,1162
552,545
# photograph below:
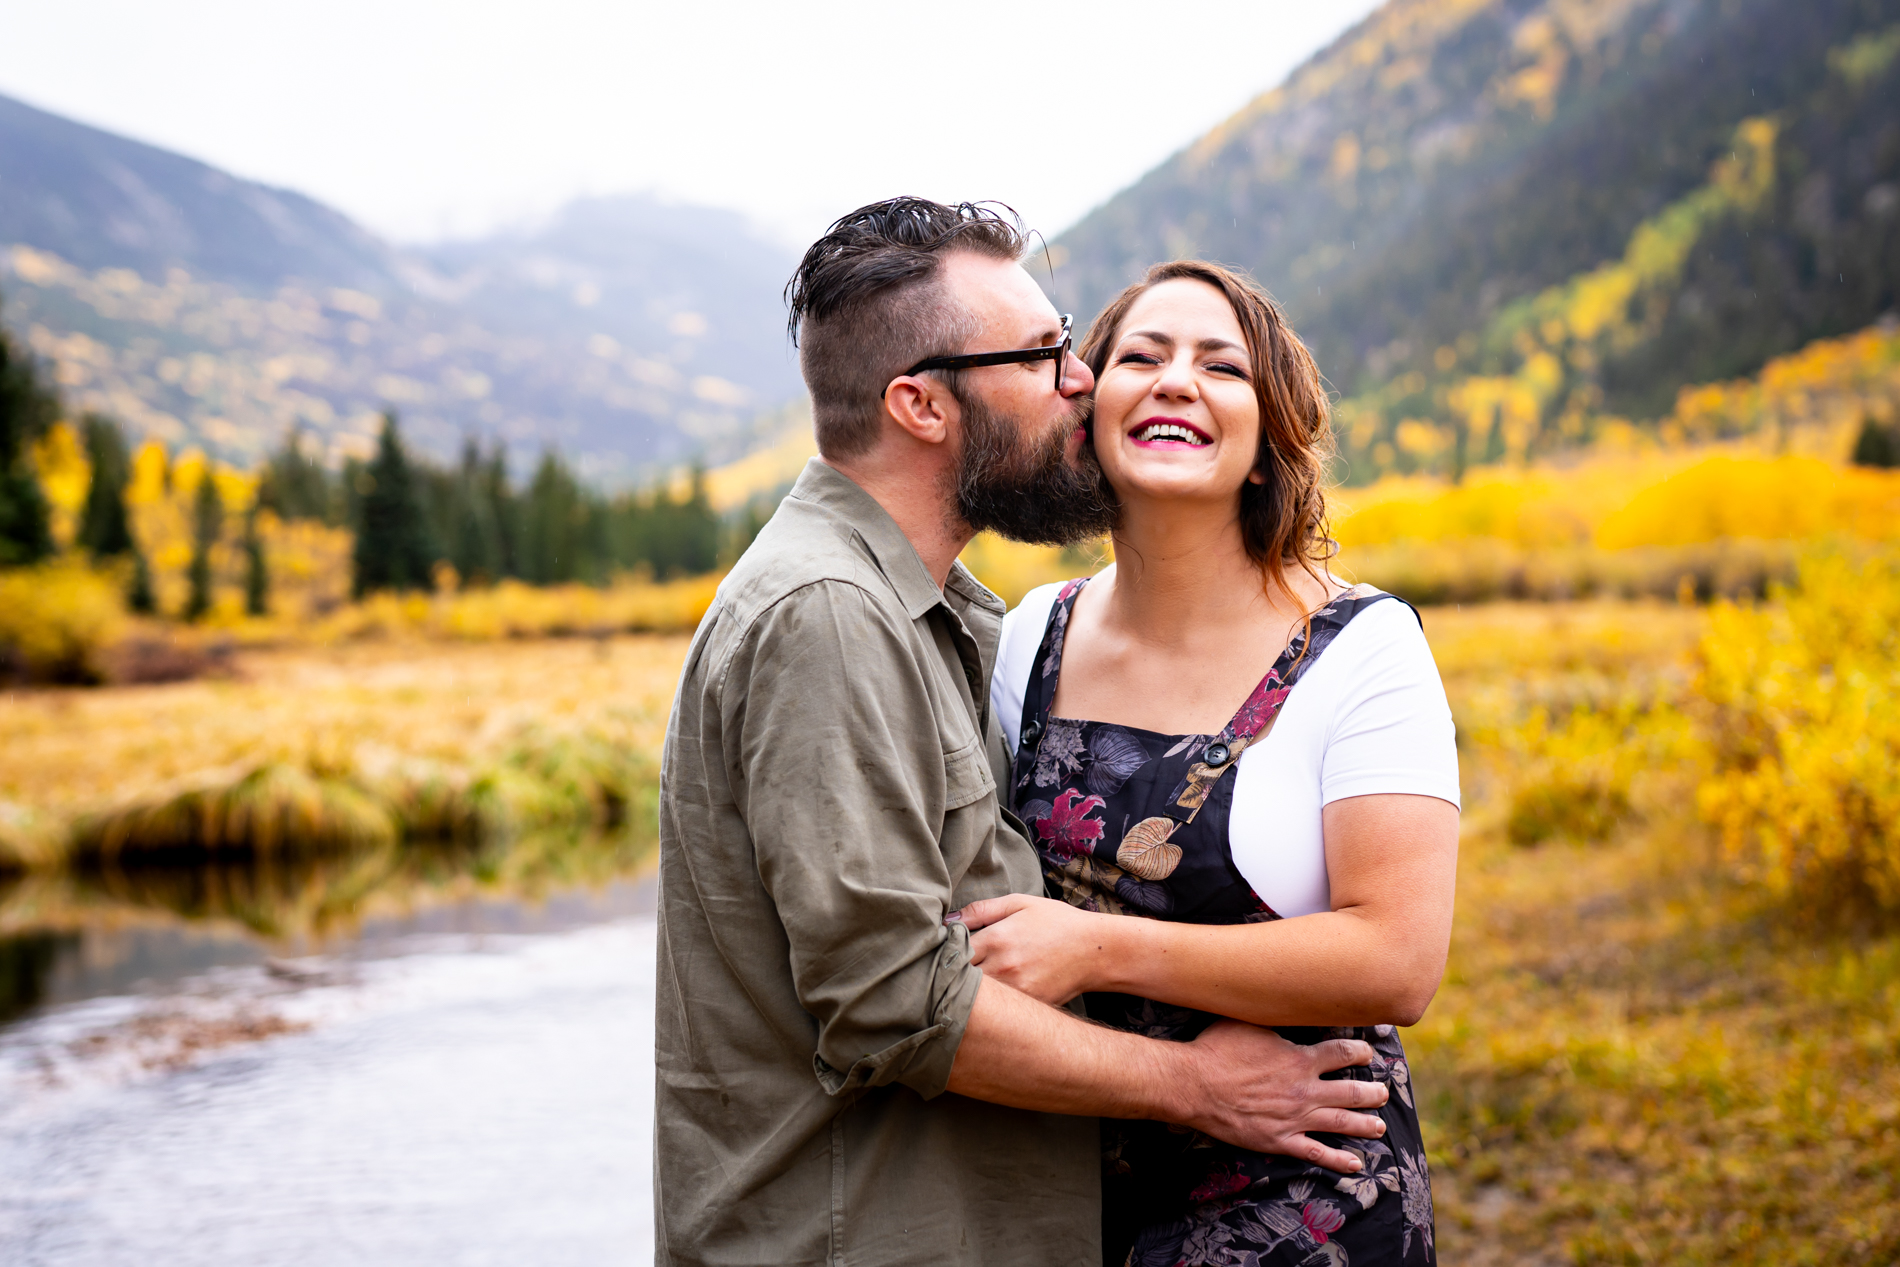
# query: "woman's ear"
1256,476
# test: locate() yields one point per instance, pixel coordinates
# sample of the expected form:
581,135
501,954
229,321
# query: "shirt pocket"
966,775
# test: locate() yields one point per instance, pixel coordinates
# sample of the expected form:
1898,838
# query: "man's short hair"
868,302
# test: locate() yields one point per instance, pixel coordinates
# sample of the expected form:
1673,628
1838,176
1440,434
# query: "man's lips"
1168,433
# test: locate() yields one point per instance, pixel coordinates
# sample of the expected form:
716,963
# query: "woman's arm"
1375,958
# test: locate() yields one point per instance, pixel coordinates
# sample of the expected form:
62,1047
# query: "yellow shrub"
1806,736
1010,569
57,618
514,610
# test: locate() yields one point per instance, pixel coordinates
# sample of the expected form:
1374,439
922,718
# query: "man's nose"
1077,378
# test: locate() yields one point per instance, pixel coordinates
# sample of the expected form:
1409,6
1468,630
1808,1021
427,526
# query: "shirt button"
1032,732
1216,754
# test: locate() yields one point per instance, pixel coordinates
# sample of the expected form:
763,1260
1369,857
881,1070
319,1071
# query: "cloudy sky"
430,119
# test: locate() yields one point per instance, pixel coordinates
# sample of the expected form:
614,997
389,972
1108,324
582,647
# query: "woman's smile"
1169,433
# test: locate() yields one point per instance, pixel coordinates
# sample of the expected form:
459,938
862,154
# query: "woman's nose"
1178,381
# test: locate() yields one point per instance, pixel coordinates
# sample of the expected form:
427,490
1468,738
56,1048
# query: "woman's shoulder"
1383,637
1024,623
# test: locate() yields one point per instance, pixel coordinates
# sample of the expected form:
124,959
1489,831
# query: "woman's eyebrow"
1167,340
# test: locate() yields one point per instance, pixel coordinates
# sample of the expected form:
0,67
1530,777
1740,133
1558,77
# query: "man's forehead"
1000,292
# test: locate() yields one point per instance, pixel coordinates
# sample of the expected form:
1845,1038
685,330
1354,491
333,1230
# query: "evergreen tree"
506,509
138,594
256,570
393,549
553,521
296,485
27,409
475,533
1876,445
207,522
104,528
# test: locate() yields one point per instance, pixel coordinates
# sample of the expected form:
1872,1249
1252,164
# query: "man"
837,1084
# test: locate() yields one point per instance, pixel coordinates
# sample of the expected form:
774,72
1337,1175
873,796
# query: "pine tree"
475,532
506,508
1876,445
551,522
393,549
104,528
138,592
27,409
296,485
207,522
256,570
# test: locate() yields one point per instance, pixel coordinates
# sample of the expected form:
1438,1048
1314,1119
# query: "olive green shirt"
828,794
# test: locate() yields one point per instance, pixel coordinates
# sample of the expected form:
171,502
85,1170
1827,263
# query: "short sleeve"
1392,730
1023,628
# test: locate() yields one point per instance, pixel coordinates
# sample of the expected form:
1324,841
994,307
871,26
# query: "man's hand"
1255,1089
1045,948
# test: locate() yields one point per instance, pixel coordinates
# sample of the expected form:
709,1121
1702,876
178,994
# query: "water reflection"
113,928
26,961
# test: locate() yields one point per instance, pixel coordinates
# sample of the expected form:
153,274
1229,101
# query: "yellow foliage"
58,617
1010,569
1789,498
1802,696
514,610
59,460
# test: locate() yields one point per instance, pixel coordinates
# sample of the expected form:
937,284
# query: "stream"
463,1079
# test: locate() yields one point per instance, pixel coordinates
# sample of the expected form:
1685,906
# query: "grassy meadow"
1670,1023
1670,1029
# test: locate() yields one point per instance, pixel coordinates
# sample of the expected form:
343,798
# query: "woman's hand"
1047,949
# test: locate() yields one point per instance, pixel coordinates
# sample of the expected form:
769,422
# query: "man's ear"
922,407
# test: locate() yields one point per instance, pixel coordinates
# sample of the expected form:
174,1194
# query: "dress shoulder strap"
1256,717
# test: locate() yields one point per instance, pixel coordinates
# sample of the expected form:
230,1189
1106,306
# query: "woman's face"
1175,412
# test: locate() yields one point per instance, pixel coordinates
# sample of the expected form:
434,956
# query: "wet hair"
1283,519
868,302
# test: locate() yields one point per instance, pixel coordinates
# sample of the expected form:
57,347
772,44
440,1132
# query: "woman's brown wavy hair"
1283,520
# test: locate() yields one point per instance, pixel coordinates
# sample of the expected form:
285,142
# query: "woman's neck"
1181,570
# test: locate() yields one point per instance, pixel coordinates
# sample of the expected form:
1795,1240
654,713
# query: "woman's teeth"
1168,431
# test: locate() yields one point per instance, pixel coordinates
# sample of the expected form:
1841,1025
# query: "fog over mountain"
203,308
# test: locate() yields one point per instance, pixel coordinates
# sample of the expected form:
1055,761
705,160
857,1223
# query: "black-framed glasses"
1057,352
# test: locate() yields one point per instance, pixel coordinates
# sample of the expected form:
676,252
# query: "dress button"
1032,732
1216,754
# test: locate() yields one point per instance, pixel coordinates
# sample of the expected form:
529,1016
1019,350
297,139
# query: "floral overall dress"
1131,822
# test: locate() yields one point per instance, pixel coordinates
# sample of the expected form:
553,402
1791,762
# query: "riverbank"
418,724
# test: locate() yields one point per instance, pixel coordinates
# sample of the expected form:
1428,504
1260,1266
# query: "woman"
1218,736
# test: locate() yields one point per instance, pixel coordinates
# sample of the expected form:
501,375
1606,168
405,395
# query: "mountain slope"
1448,161
103,201
204,309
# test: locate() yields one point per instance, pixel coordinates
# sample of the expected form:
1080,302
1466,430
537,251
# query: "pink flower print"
1221,1183
1259,708
1068,831
1321,1219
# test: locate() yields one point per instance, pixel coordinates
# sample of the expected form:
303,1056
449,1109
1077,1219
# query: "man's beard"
1027,489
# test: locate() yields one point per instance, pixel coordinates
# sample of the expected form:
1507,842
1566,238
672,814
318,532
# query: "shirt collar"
827,487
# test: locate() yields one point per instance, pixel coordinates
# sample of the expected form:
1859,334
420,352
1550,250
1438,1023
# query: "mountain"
101,201
1503,224
205,309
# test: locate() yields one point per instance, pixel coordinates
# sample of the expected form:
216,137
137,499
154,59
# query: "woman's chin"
1176,487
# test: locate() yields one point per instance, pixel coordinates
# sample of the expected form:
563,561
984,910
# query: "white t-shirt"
1369,716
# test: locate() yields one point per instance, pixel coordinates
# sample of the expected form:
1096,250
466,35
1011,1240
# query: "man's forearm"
1029,1055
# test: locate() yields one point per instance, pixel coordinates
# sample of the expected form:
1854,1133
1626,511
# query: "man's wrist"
1175,1089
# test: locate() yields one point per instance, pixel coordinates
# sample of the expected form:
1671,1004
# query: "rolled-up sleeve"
837,764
